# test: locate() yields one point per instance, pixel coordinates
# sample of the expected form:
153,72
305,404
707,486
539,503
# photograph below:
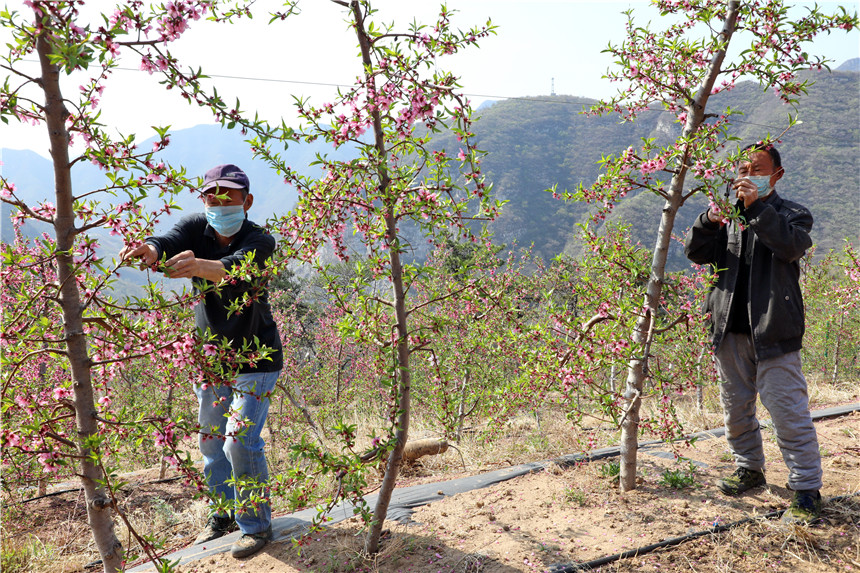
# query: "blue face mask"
763,184
226,220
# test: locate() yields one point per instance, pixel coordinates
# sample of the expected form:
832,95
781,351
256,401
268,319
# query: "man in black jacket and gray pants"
757,322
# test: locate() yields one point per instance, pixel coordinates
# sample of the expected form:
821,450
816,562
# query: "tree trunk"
163,470
461,407
613,372
643,330
403,376
298,402
700,384
43,480
836,350
98,502
404,380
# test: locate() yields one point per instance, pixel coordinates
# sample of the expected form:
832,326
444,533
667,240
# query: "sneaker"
250,543
805,507
216,527
742,480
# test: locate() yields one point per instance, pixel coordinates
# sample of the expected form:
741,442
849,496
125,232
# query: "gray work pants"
782,387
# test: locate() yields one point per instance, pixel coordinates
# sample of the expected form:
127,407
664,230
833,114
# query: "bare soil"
557,516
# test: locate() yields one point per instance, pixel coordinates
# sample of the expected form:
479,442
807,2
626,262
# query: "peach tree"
71,348
396,192
704,47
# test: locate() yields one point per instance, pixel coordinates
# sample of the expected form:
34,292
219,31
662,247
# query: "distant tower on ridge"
552,87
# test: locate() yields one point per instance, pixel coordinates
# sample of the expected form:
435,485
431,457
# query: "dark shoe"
216,527
742,480
250,543
805,507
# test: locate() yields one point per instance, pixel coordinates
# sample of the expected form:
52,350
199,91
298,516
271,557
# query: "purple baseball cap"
227,176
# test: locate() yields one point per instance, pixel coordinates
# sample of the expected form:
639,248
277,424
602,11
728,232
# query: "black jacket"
779,231
194,233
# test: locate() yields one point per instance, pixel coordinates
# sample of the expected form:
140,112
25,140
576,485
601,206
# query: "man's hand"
186,265
746,191
715,217
145,252
183,266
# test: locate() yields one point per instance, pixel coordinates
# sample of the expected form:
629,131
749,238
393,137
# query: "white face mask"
762,182
227,219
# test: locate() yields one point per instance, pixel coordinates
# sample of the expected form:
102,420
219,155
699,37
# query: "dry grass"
29,553
764,546
345,552
548,433
823,391
42,539
161,521
51,535
51,538
769,544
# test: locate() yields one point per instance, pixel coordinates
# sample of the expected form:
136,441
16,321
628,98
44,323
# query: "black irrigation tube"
600,561
588,565
52,494
79,489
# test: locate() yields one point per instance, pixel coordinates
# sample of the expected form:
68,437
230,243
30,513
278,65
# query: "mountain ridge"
535,143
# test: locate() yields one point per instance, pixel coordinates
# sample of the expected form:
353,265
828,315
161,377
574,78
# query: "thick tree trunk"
643,330
98,502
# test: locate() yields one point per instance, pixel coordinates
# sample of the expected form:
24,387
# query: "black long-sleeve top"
252,321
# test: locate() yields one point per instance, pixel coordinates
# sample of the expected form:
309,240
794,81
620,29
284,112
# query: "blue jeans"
231,419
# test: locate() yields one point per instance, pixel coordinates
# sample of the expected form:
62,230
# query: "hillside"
535,143
197,149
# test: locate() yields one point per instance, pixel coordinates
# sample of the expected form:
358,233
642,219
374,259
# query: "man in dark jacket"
757,322
234,401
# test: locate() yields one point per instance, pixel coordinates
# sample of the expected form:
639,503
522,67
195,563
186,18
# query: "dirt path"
560,516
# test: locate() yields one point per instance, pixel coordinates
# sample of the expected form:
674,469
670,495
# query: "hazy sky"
537,43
